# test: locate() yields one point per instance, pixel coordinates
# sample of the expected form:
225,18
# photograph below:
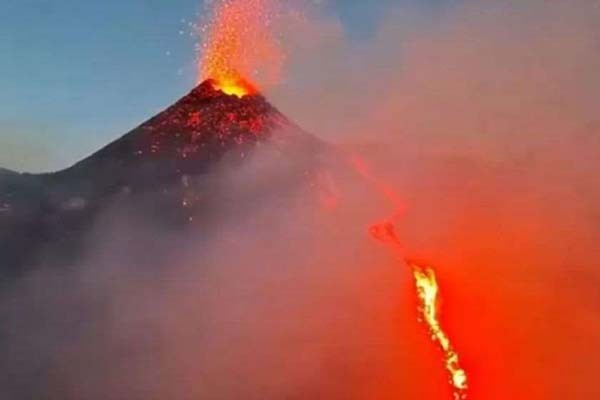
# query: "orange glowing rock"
428,292
234,86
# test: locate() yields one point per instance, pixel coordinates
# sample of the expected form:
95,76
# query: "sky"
75,75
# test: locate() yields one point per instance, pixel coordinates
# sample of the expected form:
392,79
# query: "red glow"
425,282
385,232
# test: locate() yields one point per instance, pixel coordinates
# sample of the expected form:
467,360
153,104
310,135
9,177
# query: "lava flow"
428,293
428,290
425,279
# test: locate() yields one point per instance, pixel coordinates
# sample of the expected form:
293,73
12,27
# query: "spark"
237,43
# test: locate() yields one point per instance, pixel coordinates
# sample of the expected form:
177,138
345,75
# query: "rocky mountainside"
151,166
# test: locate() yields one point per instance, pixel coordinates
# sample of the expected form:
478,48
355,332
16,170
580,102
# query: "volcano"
151,166
187,138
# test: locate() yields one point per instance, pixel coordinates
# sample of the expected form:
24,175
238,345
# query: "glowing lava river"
424,277
428,293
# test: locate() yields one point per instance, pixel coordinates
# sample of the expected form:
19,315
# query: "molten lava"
428,293
234,86
237,44
425,279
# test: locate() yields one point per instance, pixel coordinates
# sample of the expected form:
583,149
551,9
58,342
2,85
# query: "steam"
483,118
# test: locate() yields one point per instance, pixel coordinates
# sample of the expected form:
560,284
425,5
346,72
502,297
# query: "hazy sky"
76,74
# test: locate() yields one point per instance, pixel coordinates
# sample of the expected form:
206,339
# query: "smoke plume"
482,117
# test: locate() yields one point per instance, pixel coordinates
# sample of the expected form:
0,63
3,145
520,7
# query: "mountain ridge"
149,167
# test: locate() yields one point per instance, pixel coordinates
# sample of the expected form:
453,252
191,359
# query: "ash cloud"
255,300
483,118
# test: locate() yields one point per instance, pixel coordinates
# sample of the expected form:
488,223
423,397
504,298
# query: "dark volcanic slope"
187,138
38,212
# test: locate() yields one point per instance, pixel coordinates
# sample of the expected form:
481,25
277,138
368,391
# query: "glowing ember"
428,291
237,44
